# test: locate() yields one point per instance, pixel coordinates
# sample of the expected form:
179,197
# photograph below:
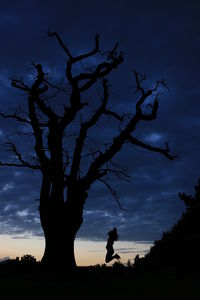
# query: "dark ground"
99,283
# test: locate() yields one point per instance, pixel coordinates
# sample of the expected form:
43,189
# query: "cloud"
153,137
22,213
6,187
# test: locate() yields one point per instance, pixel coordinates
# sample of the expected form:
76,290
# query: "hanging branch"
113,193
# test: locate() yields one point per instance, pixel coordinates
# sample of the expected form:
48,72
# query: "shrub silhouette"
179,246
28,259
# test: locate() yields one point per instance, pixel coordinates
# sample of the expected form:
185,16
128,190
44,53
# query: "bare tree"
65,186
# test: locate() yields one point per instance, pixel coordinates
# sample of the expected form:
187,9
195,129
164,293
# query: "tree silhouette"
65,179
179,246
27,258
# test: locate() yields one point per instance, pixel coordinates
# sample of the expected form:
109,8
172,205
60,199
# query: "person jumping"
112,237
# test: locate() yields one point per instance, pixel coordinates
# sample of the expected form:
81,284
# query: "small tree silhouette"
129,264
27,258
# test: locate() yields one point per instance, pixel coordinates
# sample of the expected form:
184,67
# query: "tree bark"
60,223
59,249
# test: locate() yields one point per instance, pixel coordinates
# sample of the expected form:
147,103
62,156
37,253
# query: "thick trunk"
59,249
60,226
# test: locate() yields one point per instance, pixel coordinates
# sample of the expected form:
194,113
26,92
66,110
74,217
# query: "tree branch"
36,90
89,54
13,148
39,148
50,34
125,134
151,116
15,117
113,193
145,94
80,57
101,71
91,78
83,132
34,167
165,152
139,80
113,114
118,173
18,118
19,84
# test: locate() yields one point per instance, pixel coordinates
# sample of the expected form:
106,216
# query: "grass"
89,283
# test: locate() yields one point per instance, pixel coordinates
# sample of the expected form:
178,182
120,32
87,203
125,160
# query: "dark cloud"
159,39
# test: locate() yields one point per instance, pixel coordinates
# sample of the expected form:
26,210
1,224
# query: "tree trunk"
60,225
59,250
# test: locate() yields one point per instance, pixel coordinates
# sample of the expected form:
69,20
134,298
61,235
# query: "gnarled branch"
164,151
125,134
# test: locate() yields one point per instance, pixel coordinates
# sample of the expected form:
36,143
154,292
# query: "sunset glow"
87,252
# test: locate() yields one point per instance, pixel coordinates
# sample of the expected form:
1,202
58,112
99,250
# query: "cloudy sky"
158,38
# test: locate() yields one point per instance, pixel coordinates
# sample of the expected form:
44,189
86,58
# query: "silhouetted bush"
118,266
179,246
28,259
129,264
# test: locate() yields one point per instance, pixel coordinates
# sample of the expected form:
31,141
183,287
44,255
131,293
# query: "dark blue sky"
158,38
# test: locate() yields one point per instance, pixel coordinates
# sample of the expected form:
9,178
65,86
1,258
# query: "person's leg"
110,258
117,256
109,255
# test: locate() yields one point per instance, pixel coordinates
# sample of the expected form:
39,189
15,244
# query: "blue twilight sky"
158,38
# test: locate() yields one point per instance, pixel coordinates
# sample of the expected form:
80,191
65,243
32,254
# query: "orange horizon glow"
86,252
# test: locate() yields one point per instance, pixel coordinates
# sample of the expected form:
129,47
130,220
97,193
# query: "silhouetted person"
112,237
